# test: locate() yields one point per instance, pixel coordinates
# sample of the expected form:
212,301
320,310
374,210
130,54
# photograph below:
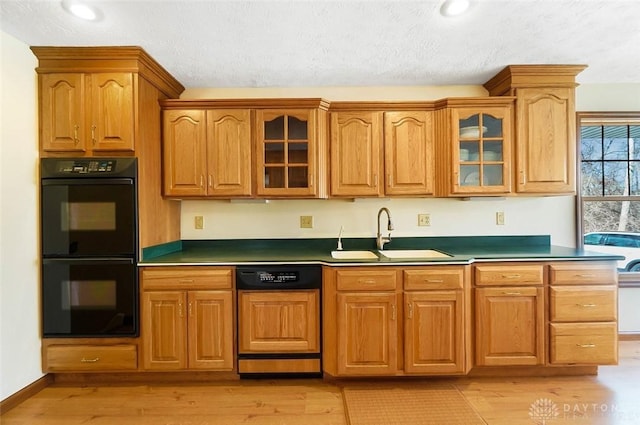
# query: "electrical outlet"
500,218
199,222
306,221
424,220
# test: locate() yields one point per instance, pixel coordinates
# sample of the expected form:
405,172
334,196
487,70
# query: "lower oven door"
89,297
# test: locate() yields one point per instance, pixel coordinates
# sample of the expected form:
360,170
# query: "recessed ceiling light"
454,7
81,10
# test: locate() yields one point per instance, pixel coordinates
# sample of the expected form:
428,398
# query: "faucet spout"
381,240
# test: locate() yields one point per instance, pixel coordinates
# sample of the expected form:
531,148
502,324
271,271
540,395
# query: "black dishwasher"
279,331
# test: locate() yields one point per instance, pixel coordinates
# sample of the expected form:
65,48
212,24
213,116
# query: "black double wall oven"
89,239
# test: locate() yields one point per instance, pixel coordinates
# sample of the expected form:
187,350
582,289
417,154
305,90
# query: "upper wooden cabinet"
378,151
356,155
474,146
290,149
269,148
92,98
207,152
87,112
545,122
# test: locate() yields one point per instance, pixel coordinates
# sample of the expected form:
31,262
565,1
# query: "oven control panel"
86,166
72,168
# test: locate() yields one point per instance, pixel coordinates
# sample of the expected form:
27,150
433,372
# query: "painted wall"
19,292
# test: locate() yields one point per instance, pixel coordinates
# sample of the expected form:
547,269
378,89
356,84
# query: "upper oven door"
88,217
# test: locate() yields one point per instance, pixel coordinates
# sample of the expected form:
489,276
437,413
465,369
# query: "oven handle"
86,181
100,260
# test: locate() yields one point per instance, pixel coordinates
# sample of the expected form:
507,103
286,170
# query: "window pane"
615,178
493,124
616,142
590,143
634,134
611,216
591,178
634,176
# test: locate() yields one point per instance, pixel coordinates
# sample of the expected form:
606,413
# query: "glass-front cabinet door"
286,152
481,151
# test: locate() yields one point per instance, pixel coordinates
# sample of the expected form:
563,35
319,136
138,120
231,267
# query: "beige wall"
19,290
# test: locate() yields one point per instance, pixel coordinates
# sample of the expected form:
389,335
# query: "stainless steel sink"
413,253
354,255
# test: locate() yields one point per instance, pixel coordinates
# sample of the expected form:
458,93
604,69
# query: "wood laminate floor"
611,398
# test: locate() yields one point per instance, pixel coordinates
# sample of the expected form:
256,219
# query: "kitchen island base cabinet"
187,319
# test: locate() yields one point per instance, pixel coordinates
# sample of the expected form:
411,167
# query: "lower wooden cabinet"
434,332
367,333
187,328
391,321
90,357
583,313
509,314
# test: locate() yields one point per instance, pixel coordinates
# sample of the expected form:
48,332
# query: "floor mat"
408,404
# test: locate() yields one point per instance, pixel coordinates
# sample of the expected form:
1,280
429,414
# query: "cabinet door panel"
111,123
229,152
164,325
355,154
279,322
510,326
184,138
210,330
434,339
408,146
367,334
546,140
62,112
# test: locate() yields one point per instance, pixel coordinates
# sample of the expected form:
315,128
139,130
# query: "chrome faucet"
381,240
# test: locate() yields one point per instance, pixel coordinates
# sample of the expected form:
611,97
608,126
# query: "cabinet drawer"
92,358
583,303
584,343
162,278
436,278
366,280
509,274
583,273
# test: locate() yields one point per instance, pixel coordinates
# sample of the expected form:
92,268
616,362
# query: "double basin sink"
391,254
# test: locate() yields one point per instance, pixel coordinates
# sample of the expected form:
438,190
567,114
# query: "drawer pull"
186,281
95,360
369,281
511,276
585,276
512,293
434,280
586,345
587,305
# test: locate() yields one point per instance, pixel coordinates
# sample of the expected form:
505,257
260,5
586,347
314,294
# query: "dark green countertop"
463,250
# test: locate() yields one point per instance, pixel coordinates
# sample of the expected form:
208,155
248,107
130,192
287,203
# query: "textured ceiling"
289,43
